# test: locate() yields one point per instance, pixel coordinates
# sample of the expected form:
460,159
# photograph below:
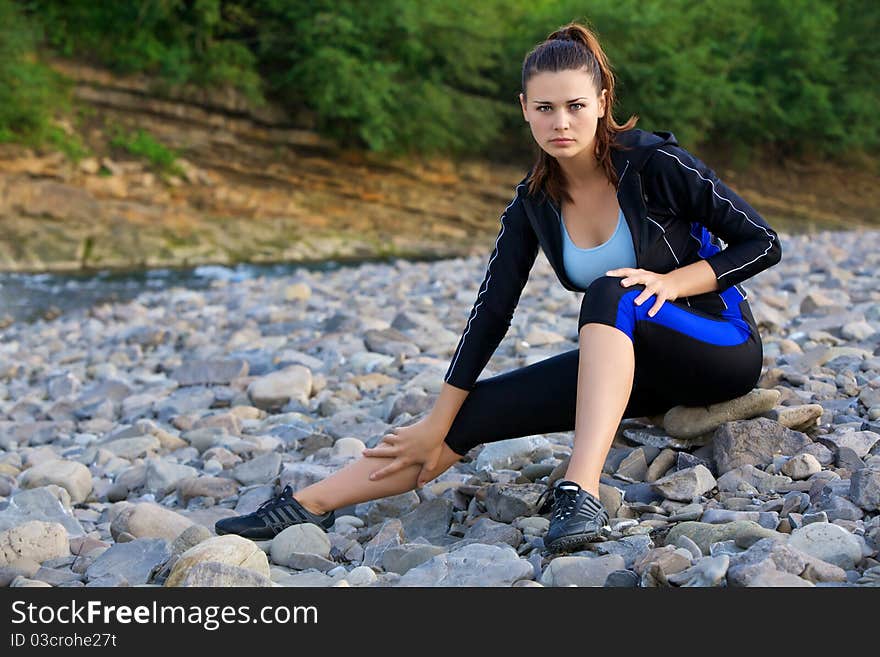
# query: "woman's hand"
663,285
420,443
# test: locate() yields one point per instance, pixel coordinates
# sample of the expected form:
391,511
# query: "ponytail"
574,47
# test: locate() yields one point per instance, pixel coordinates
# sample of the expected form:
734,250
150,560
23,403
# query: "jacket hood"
638,146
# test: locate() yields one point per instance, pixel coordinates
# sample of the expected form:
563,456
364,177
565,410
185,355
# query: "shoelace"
564,501
281,498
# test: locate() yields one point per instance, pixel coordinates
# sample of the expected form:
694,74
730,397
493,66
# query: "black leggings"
683,356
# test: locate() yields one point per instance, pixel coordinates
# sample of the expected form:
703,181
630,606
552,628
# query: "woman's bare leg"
606,366
351,484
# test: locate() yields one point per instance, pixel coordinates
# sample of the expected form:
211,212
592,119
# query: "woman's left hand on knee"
661,285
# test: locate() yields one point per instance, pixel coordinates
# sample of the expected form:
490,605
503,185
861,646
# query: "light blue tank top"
583,266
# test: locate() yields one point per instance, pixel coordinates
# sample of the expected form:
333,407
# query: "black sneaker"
578,517
272,517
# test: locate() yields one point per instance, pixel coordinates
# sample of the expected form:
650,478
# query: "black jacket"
676,209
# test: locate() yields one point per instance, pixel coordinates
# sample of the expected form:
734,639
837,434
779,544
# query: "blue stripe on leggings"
730,331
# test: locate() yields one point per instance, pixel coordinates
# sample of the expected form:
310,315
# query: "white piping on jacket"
485,285
670,250
714,191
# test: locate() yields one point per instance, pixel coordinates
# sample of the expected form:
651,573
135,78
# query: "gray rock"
162,476
470,565
766,554
393,506
506,502
754,442
581,571
660,465
768,519
259,470
136,560
217,574
390,535
485,530
513,454
402,558
622,579
685,485
865,489
39,504
748,478
743,532
827,542
630,548
706,572
303,538
429,519
202,372
860,442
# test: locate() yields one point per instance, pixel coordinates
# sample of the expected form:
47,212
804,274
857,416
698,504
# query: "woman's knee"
606,301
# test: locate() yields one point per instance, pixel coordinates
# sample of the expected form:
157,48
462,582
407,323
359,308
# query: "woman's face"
563,104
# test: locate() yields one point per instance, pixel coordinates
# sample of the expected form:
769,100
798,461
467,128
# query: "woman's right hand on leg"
417,444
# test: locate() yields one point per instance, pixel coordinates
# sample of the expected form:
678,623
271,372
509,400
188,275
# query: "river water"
29,297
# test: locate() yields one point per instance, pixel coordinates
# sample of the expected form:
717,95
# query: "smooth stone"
135,561
35,540
259,470
744,532
48,504
217,574
828,542
630,548
690,422
861,442
74,477
470,565
148,520
229,549
277,388
798,418
513,454
485,530
581,571
303,538
400,559
204,372
213,487
162,476
801,466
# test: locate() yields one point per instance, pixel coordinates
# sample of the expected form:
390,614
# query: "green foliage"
443,76
142,144
29,90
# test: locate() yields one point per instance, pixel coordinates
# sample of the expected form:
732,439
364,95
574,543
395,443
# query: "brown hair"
574,47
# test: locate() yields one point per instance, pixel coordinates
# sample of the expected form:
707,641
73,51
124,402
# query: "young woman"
626,216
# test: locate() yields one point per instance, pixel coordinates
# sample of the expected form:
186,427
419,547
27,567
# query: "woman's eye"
578,104
542,107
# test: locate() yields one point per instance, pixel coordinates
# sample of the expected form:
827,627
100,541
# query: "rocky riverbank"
127,430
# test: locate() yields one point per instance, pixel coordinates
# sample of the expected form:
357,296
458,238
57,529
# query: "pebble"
130,428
